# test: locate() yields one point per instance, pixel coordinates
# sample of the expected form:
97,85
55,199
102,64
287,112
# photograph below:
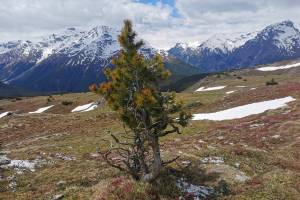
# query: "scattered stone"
253,126
201,141
237,165
197,147
186,162
58,197
241,177
4,160
12,182
64,157
228,173
220,137
213,160
199,192
61,183
177,140
95,155
276,136
21,165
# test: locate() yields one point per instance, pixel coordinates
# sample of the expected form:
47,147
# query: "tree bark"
157,162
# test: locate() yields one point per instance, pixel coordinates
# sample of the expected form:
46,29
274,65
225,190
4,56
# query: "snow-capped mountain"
221,52
73,59
226,43
68,61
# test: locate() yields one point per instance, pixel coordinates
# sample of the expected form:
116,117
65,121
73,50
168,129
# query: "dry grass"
246,145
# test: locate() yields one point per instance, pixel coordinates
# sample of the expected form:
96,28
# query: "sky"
162,23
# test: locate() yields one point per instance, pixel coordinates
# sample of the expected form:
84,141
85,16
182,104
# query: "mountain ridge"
73,59
276,42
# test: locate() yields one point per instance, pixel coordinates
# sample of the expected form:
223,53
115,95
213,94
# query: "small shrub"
194,104
18,98
271,82
50,99
66,103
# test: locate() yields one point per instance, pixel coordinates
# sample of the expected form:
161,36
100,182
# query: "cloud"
32,16
161,24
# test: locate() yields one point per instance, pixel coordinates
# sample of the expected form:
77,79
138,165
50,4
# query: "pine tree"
132,90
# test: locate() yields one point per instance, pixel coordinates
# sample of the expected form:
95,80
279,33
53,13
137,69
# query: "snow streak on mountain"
74,59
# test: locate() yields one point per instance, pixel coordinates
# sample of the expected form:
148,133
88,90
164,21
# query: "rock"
4,160
177,140
276,136
58,197
212,160
201,141
61,183
220,137
241,177
199,192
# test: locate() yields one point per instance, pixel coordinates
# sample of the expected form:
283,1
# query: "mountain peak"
286,23
284,35
226,42
181,45
281,27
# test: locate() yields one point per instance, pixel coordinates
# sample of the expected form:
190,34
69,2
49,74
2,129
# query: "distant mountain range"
73,59
222,52
69,61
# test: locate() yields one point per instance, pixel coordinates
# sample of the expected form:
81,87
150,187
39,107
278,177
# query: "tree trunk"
157,163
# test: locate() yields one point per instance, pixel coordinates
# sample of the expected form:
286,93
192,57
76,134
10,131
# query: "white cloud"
157,23
31,17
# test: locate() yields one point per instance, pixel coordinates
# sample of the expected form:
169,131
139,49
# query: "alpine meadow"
149,100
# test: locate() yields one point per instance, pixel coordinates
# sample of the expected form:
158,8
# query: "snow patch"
5,114
203,89
86,107
244,111
230,92
41,110
274,68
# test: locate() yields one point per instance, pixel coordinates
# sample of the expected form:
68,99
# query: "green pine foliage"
132,90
